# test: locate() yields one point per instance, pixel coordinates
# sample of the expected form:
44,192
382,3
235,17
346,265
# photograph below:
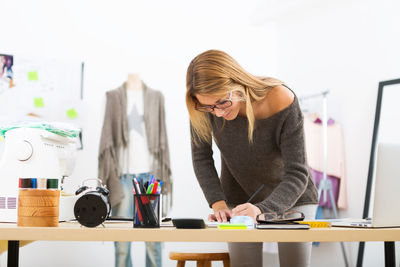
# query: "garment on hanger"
335,154
335,182
115,137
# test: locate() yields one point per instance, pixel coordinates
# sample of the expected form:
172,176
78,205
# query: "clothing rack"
325,185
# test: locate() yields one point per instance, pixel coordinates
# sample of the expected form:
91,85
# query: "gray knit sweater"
276,158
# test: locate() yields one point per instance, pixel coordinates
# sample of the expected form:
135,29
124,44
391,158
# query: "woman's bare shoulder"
279,98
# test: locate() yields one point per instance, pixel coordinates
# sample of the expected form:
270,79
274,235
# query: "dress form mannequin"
134,82
135,162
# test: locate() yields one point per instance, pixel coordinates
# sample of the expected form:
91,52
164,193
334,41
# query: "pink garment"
318,176
335,152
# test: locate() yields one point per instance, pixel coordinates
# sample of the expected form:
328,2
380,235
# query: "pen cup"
146,210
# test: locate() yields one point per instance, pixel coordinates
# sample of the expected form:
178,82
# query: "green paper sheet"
72,114
33,76
38,102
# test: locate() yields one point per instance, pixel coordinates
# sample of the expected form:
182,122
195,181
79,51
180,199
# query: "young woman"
257,124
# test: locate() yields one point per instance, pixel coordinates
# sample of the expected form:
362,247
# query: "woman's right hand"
221,212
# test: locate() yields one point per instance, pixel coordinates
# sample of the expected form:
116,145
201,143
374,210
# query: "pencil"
255,193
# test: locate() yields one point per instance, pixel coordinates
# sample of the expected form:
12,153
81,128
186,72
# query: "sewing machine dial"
24,150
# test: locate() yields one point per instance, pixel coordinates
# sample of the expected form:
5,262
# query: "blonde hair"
215,73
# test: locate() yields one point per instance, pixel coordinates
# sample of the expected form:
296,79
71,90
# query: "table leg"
360,256
390,254
13,253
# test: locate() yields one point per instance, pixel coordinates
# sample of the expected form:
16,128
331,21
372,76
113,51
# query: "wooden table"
124,232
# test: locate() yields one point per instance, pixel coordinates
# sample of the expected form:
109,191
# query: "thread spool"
34,182
25,183
39,207
52,183
42,183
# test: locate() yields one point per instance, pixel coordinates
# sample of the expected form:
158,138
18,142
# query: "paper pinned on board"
71,113
38,102
33,76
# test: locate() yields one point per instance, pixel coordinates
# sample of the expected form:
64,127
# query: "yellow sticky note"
71,113
1,138
38,102
33,76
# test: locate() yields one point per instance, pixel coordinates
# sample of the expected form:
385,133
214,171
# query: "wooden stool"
203,259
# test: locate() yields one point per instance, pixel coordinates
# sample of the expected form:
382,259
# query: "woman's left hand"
246,209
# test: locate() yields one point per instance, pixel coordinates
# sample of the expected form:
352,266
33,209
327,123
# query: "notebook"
237,222
386,196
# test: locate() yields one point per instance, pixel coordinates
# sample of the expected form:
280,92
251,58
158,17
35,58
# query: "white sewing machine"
34,153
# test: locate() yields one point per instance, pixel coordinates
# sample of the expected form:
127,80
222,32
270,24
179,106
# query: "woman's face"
229,113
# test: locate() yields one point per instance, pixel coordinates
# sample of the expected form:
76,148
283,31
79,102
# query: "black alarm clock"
93,206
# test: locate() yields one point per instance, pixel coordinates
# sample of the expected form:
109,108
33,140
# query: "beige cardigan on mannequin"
115,135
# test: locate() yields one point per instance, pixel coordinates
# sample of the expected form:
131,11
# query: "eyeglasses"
273,217
226,103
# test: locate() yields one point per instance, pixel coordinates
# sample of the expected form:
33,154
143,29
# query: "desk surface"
124,232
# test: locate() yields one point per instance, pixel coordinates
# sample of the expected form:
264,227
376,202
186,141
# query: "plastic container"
146,210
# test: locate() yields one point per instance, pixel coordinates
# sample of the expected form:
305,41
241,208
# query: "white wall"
156,39
344,46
